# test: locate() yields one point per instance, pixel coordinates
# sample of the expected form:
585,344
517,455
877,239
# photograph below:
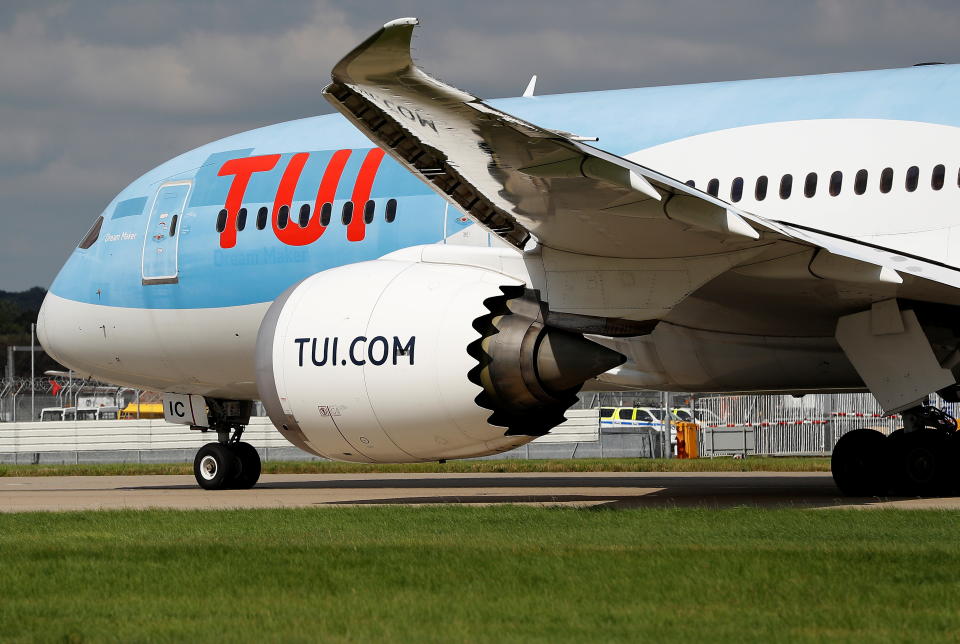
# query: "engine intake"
398,361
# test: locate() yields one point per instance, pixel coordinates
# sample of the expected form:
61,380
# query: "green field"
464,574
756,464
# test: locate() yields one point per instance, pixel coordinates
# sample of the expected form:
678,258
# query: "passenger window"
173,225
736,190
222,220
391,212
786,186
262,218
860,182
913,178
713,187
761,190
347,215
326,211
369,209
810,185
606,412
836,183
92,235
886,180
644,416
625,414
283,217
241,219
938,177
304,215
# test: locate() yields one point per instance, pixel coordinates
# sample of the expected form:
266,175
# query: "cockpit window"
92,235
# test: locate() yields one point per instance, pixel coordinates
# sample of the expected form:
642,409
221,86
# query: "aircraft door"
162,240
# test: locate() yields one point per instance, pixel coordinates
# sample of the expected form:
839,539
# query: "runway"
617,490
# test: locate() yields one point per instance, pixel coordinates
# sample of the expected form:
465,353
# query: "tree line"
18,310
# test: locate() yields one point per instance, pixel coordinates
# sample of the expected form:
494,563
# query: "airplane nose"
42,336
51,341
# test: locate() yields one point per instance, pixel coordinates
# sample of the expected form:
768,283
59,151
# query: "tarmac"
577,489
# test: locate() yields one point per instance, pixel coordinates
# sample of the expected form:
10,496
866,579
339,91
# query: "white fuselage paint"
924,222
196,351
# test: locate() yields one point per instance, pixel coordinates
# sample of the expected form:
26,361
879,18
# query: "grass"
493,574
756,464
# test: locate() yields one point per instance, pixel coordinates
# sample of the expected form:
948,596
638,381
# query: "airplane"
428,276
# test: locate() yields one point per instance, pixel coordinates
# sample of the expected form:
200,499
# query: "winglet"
386,51
400,22
386,54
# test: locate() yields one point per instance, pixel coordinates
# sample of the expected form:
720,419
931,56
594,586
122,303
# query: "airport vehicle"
48,414
631,417
51,414
86,414
107,413
133,411
798,235
637,417
702,416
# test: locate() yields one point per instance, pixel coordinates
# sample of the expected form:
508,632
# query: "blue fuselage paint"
260,266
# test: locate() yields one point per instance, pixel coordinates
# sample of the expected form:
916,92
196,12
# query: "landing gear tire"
858,463
249,471
215,466
920,462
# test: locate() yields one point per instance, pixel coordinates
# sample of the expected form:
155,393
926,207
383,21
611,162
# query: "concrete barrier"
156,441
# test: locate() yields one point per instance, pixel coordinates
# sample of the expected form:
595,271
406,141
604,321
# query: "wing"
520,180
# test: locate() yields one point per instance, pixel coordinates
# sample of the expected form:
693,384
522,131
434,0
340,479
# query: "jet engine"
401,361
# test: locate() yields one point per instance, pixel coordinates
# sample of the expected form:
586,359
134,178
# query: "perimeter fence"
729,425
23,399
771,425
788,425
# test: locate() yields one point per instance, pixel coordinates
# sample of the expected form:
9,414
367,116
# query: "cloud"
196,73
24,149
96,92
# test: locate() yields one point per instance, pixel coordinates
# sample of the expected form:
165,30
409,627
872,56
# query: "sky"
93,93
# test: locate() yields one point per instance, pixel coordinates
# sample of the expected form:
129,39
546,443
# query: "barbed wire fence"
767,424
23,399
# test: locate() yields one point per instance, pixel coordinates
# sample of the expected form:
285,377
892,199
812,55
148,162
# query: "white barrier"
113,435
581,426
145,435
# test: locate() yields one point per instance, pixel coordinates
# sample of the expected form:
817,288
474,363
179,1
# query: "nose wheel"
227,466
919,462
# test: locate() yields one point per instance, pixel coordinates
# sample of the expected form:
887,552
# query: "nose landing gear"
228,464
917,460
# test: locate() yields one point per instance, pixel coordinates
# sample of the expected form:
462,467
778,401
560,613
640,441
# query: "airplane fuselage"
171,292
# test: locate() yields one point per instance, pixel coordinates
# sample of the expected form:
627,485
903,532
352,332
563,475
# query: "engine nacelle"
398,361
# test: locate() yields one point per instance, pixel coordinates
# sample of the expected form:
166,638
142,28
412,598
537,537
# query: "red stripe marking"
327,192
242,169
288,185
293,234
357,229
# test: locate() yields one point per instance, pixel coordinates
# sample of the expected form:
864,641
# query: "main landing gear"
228,464
918,460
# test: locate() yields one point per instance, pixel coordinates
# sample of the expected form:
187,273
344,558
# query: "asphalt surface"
618,490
